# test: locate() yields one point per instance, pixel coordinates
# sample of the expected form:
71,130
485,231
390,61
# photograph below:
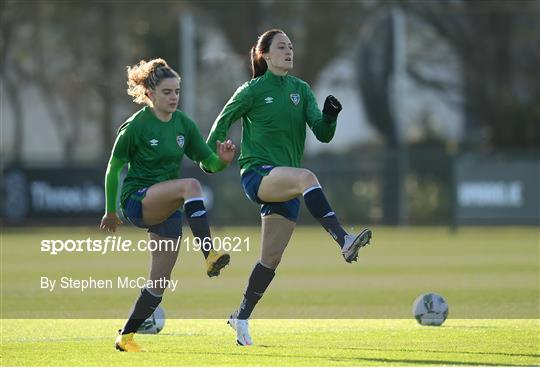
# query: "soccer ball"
430,309
154,323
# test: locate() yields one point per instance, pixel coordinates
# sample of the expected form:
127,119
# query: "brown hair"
147,75
262,46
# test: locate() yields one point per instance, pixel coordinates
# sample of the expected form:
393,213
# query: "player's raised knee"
191,188
307,179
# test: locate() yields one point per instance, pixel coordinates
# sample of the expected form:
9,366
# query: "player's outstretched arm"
215,163
110,220
323,124
226,150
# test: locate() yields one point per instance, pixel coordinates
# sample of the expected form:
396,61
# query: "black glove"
332,106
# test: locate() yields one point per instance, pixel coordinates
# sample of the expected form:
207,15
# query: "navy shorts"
251,181
132,210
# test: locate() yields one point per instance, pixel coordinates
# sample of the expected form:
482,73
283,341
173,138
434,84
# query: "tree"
48,54
74,53
375,78
319,30
497,46
8,16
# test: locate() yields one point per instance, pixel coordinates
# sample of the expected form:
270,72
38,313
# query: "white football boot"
241,327
353,244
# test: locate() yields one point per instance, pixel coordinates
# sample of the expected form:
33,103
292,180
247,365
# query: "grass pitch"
489,277
279,343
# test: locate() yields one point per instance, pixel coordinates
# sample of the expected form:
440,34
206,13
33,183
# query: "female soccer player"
153,142
275,108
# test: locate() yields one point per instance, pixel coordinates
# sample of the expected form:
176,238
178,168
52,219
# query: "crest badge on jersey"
180,140
295,98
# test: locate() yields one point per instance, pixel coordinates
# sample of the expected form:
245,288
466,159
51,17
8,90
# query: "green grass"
489,276
279,342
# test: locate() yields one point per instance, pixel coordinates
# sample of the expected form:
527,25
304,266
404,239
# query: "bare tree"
51,65
10,13
320,30
497,46
375,76
66,51
106,58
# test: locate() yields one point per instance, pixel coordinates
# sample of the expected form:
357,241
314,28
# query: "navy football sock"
259,280
198,222
319,207
142,309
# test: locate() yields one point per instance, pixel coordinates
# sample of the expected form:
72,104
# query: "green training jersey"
274,112
154,149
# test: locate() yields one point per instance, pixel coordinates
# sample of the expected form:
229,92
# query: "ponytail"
258,64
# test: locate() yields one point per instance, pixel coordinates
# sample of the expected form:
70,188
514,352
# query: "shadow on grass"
422,351
353,360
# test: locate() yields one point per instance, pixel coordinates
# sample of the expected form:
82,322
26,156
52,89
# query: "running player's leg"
198,222
276,233
163,261
164,198
284,183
